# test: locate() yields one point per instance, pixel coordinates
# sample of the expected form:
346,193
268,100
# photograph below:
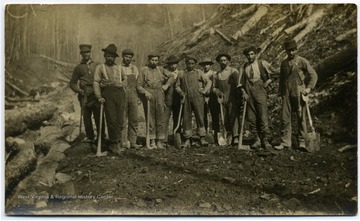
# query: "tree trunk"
262,10
18,120
245,12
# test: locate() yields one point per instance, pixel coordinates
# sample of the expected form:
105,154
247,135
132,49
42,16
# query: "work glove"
101,100
148,95
306,91
218,93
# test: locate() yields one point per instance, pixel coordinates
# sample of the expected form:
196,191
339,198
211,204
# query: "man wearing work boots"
254,83
172,99
151,84
224,86
297,77
131,108
190,84
211,103
84,74
109,87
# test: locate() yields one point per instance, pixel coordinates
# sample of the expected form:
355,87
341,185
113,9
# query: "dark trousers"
115,100
257,111
91,109
168,111
131,112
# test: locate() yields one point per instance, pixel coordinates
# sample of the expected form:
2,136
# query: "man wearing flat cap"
224,86
297,77
255,83
84,74
131,108
172,99
211,103
152,82
109,87
193,85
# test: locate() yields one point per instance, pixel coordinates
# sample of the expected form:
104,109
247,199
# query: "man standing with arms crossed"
84,74
109,87
131,109
297,77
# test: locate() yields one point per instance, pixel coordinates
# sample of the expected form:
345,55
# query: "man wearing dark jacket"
84,75
297,77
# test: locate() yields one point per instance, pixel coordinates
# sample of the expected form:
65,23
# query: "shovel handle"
222,119
147,123
309,116
98,150
242,125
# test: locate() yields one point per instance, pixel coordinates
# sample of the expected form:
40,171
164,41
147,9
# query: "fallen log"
318,14
344,60
262,10
62,63
20,165
17,89
346,35
271,39
272,24
347,147
313,22
18,120
30,99
245,12
228,40
199,35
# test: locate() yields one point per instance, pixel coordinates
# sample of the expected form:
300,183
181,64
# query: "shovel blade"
177,140
312,142
221,139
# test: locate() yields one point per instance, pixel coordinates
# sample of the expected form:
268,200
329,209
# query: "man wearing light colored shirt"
109,88
254,83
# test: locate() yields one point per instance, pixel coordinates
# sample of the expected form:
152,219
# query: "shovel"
240,146
177,136
83,103
312,139
209,137
221,136
148,124
98,150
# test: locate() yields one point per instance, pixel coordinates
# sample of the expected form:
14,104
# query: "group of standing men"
164,90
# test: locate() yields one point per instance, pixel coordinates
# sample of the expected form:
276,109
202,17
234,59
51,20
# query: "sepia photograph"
223,110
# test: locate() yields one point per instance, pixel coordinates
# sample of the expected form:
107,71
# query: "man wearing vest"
131,110
172,99
224,86
193,85
84,73
109,88
254,83
297,77
151,84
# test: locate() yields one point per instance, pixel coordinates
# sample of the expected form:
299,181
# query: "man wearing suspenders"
109,88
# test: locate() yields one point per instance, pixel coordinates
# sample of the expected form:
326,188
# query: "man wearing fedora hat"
211,103
131,108
224,86
254,83
84,74
193,84
297,77
109,87
152,82
172,100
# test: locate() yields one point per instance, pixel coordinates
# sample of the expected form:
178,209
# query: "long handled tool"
177,136
240,146
148,124
209,137
221,136
312,140
98,150
82,106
